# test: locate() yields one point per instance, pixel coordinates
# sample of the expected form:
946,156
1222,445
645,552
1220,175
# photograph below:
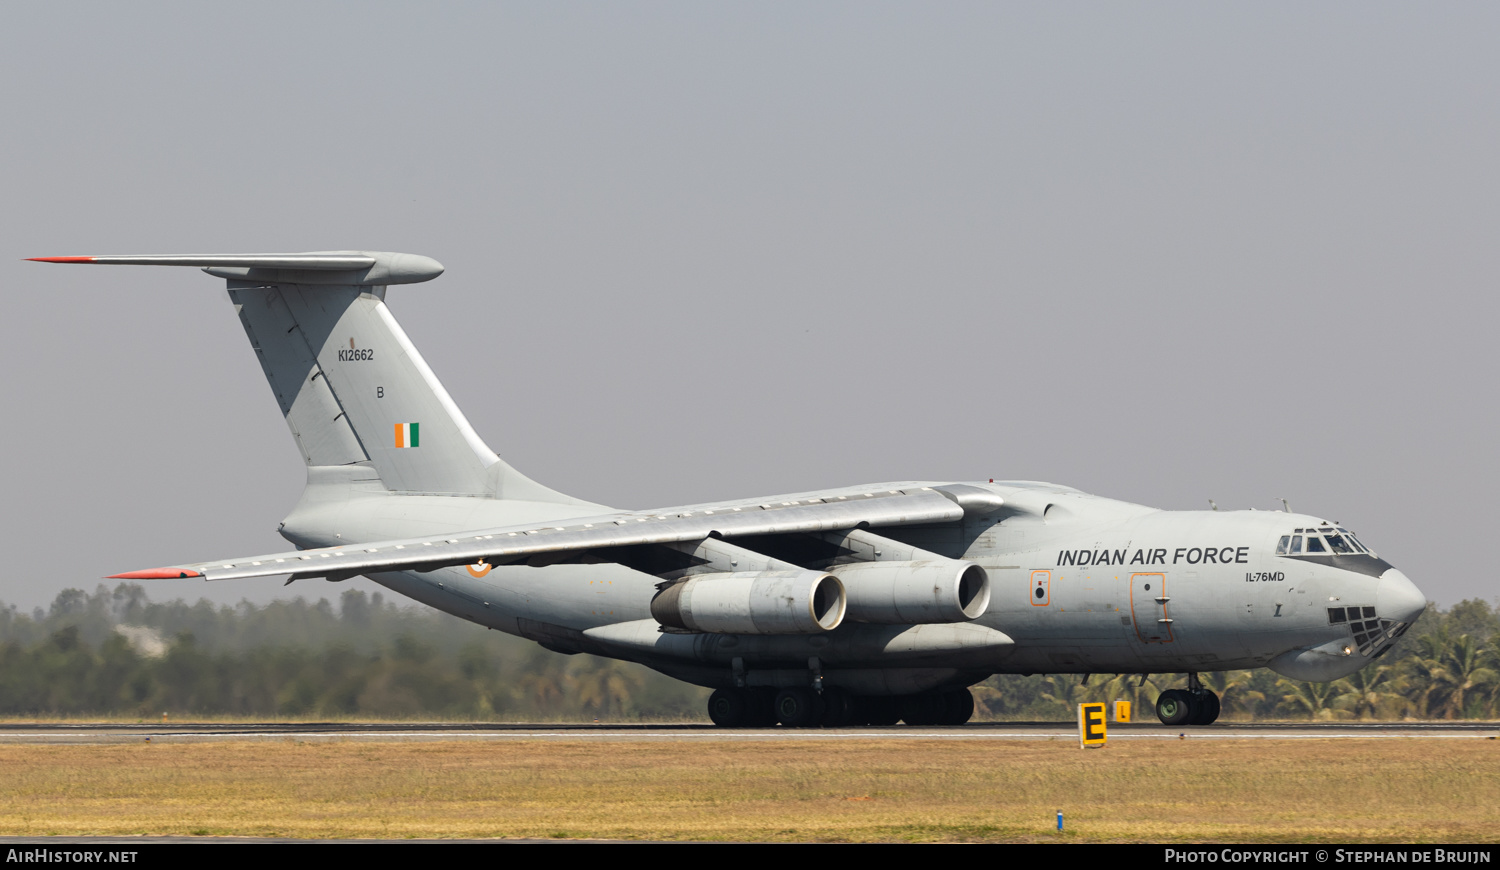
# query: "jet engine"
754,602
912,593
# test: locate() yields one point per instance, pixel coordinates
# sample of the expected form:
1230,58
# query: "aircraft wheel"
839,709
880,710
1208,708
1175,707
761,703
924,709
730,708
799,708
859,710
958,707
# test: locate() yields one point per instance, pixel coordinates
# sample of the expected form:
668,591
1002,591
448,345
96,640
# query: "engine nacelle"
913,593
758,602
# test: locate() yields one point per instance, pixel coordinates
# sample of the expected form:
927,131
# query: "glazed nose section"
1398,599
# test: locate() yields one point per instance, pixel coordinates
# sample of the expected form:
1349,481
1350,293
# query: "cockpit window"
1356,542
1339,541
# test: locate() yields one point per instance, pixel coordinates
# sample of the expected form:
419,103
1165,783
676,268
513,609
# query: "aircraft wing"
504,545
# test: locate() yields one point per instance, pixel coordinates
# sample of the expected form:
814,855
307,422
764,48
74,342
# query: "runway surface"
81,734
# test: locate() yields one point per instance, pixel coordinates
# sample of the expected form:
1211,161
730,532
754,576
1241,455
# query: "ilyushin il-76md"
869,604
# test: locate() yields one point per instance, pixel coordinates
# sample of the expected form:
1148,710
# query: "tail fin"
352,387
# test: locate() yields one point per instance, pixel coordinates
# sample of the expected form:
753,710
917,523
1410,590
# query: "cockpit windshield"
1321,540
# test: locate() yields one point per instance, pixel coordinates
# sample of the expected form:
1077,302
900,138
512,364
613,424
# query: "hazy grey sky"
1160,252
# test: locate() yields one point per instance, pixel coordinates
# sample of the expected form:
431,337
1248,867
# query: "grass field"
1309,790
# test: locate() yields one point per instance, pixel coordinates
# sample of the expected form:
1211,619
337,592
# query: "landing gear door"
1148,606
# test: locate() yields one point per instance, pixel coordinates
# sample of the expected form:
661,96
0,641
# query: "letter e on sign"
1090,725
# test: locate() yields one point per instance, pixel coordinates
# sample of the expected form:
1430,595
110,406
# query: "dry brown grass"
1351,790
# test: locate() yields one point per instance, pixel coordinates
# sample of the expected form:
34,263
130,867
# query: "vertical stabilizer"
353,389
336,343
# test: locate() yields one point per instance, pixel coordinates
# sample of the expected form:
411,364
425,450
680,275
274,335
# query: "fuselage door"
1041,588
1148,605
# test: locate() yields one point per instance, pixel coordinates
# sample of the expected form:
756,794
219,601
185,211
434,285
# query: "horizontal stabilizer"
266,261
313,267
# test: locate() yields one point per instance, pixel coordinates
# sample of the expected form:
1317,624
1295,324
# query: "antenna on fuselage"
1212,505
1285,506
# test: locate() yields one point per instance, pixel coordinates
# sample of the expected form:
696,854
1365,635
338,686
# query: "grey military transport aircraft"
867,604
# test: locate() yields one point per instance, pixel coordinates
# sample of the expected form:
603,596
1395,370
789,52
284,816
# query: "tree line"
116,653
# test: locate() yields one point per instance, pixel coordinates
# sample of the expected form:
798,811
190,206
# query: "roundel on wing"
478,569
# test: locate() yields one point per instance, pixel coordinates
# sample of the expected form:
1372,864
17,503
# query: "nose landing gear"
1194,705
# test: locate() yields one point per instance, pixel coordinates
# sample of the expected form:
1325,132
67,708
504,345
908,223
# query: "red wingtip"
60,259
155,574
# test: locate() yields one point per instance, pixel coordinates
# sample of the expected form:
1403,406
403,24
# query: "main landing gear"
1194,705
834,708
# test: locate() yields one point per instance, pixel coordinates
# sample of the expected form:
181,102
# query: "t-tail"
361,403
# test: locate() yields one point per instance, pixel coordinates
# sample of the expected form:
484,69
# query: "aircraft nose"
1397,598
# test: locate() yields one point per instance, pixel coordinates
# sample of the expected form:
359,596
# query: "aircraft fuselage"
1080,584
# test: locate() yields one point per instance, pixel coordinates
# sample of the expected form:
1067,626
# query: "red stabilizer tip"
155,574
60,259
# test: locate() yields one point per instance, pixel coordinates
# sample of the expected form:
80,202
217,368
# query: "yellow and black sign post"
1090,725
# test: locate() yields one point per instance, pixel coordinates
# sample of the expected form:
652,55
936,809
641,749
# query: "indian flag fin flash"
407,435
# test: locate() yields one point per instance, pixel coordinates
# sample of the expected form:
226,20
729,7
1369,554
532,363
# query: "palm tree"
1235,690
1370,691
1461,678
1127,687
989,702
1068,691
1458,677
1063,690
1426,676
1314,699
1492,661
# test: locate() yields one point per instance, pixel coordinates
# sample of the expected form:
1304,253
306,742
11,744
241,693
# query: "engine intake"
759,602
912,593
